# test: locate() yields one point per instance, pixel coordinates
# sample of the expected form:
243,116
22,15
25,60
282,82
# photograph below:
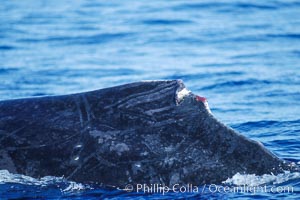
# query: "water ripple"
229,84
69,40
160,22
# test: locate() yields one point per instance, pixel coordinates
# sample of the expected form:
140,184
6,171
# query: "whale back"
145,132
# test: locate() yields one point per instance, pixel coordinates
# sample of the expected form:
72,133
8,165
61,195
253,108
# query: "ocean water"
243,56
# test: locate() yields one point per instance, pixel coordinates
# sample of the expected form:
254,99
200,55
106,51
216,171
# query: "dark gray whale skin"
136,133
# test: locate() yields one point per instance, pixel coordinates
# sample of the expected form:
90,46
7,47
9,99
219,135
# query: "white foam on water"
67,186
73,186
255,180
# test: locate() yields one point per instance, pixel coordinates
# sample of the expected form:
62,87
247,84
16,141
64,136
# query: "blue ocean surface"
243,56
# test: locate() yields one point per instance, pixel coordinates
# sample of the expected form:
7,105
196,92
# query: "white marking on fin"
182,93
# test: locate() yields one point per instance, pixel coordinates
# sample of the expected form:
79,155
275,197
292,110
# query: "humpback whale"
145,132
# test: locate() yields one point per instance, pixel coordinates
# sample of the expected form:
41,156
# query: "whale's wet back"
145,132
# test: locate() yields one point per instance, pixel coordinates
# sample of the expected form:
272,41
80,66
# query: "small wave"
4,70
255,6
7,47
287,35
231,84
166,22
86,72
231,6
257,124
266,124
65,186
266,179
73,40
195,76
